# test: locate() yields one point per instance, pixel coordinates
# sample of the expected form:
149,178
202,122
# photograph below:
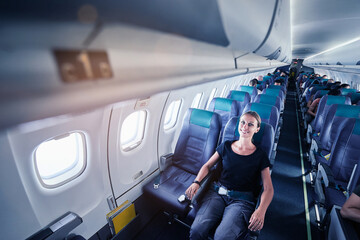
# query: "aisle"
286,216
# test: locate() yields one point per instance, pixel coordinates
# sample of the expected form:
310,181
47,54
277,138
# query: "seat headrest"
263,110
223,104
345,91
201,117
356,130
238,95
348,111
267,99
335,100
248,89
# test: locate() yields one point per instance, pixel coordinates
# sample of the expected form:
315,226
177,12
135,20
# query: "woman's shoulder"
260,151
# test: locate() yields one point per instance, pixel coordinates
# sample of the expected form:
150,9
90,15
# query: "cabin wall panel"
246,24
17,218
347,74
85,195
124,165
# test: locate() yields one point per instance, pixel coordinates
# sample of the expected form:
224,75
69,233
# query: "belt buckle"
222,191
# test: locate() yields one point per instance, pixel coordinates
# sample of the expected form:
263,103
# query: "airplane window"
60,159
223,92
197,99
132,130
212,94
233,86
172,114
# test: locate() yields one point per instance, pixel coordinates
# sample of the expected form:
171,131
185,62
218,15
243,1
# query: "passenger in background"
254,83
329,83
232,199
311,112
351,208
278,82
344,85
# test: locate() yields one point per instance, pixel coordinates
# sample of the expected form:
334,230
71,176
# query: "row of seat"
201,132
334,152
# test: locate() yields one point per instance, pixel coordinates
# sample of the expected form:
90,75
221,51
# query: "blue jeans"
233,215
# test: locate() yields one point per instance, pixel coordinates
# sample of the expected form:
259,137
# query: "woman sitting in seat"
232,199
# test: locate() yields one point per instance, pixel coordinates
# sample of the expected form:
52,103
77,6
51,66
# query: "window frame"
66,170
211,97
173,120
200,99
129,147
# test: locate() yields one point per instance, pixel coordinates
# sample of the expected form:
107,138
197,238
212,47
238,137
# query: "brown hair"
255,115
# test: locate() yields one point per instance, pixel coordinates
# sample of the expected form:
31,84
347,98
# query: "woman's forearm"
266,198
351,213
204,170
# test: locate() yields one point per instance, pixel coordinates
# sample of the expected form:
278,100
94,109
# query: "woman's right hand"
191,191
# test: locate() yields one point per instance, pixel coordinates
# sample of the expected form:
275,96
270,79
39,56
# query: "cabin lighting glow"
172,114
196,101
132,130
212,95
336,47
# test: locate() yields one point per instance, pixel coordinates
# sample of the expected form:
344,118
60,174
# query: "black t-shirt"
357,190
239,172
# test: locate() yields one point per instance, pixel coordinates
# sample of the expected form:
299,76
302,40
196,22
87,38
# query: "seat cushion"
172,183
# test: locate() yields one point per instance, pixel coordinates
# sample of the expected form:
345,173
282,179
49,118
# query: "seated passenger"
311,112
232,199
344,85
351,208
278,82
254,83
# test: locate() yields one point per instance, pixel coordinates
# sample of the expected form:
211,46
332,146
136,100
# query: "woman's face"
248,126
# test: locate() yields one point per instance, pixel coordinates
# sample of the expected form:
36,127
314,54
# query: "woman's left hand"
257,220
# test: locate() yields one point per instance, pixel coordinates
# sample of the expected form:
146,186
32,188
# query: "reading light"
333,48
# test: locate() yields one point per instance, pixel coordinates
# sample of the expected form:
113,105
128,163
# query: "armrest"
327,175
324,175
314,149
59,228
165,161
204,186
341,228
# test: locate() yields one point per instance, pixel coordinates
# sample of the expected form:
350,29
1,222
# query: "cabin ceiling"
322,24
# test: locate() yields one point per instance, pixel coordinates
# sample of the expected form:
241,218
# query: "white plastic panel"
241,18
280,35
84,195
128,168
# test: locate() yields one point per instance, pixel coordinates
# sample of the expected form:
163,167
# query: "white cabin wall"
125,165
85,195
17,218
